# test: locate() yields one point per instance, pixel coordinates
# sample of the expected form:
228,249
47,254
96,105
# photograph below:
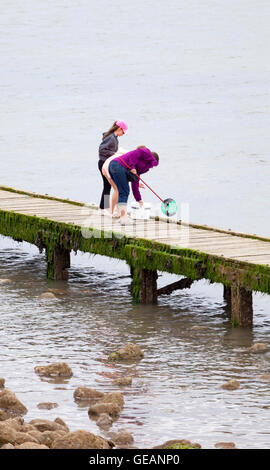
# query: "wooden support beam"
241,306
144,285
58,260
181,284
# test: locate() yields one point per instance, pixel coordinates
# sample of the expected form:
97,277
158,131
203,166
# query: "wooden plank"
229,243
9,206
260,259
213,243
230,247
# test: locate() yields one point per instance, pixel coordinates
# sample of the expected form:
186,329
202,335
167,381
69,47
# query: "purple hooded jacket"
142,160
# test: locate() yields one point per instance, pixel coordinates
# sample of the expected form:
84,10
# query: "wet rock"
86,394
113,397
16,423
47,295
111,403
2,383
10,404
43,425
104,421
8,446
3,415
48,437
225,445
258,347
123,381
21,437
5,281
231,385
178,444
81,440
112,409
11,431
62,423
122,438
36,434
31,445
56,291
57,369
7,434
130,351
265,377
47,405
27,427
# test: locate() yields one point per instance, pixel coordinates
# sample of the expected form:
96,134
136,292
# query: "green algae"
138,253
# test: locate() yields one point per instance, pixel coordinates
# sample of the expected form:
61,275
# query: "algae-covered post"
144,285
58,260
241,306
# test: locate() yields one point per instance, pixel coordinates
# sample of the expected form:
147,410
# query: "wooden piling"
241,306
144,286
58,260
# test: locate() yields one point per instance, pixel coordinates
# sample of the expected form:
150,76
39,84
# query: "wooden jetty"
240,262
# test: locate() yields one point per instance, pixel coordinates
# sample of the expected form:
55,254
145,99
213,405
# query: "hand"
141,185
141,203
134,171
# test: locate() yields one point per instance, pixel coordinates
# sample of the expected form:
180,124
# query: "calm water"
192,79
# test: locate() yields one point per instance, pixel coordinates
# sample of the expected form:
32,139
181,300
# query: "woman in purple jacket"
138,161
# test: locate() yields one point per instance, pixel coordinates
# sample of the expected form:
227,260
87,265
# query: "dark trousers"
105,196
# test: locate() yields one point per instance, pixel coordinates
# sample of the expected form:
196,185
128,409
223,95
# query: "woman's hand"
141,185
134,171
141,203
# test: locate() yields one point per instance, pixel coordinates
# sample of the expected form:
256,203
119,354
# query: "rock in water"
122,438
130,351
10,404
225,445
47,405
47,295
113,397
123,381
81,440
231,385
104,421
265,377
111,403
87,394
43,425
258,347
57,369
112,409
178,444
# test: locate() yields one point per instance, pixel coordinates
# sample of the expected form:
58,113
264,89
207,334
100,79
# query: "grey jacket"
108,146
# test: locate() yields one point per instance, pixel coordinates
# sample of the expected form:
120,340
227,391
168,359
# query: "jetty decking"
240,262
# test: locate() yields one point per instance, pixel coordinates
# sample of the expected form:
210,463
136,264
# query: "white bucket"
138,212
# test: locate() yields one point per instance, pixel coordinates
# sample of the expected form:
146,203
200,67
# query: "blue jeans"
119,176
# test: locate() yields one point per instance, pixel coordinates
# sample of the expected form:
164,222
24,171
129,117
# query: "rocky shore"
104,408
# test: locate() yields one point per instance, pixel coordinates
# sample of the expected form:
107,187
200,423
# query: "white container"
137,212
147,210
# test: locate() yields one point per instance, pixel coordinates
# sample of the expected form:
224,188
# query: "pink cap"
123,126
